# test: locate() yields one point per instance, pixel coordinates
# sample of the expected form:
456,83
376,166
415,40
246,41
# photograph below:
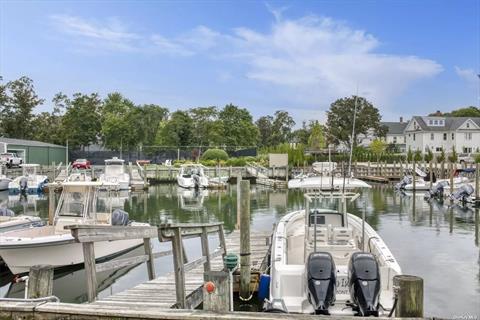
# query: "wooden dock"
159,292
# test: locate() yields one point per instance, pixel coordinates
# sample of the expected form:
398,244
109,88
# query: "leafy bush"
214,154
453,157
209,163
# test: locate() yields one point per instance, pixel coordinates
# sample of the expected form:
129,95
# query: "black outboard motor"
401,185
321,279
5,212
23,185
364,283
436,191
463,193
196,180
119,217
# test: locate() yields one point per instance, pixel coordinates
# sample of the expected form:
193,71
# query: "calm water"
432,241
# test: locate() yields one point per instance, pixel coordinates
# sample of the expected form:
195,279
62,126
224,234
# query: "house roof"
30,143
395,127
451,123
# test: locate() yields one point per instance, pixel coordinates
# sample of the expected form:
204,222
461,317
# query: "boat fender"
264,287
5,212
119,217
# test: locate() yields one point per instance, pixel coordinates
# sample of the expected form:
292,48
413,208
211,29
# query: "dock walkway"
160,292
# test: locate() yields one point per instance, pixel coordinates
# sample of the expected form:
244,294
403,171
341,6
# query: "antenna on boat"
353,134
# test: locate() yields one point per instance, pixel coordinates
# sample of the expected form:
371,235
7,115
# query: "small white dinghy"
323,263
53,245
192,176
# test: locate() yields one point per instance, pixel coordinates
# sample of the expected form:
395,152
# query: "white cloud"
468,75
313,60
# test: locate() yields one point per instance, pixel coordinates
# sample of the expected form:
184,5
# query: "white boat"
53,245
322,263
9,221
30,182
79,175
115,173
192,176
4,180
326,182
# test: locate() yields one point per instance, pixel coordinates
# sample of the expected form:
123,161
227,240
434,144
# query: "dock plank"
160,292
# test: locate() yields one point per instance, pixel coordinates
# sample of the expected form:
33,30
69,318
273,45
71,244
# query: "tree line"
116,122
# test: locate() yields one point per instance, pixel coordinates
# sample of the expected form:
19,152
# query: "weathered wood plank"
120,263
90,233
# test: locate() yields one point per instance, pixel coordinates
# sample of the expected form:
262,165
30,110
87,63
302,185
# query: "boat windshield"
114,169
74,204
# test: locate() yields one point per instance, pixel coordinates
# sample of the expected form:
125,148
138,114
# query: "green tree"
81,123
239,129
316,140
264,125
176,131
301,135
409,155
207,129
378,147
282,125
340,120
146,119
417,156
117,129
441,157
453,156
18,101
429,155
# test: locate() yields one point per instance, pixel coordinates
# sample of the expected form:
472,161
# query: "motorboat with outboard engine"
461,183
422,180
4,180
9,221
115,173
192,176
30,182
330,262
53,244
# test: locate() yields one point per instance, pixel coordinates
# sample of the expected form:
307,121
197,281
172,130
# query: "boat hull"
326,183
58,252
4,183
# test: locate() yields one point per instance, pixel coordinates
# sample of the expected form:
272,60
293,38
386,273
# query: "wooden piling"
150,263
431,173
477,184
90,270
414,178
239,179
451,177
51,205
219,299
40,281
244,239
178,265
409,290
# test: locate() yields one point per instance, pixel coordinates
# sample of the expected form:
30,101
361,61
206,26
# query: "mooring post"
90,270
239,179
51,204
451,178
205,249
409,294
431,173
477,200
40,281
179,268
414,177
216,293
150,263
244,239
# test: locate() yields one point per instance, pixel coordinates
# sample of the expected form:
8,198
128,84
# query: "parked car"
10,159
466,158
81,164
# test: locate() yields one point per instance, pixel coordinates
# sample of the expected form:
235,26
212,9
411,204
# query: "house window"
432,136
467,150
436,122
414,137
440,122
430,122
468,125
404,139
394,139
445,136
453,136
438,149
468,136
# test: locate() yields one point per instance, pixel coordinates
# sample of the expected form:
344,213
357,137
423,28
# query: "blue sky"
407,57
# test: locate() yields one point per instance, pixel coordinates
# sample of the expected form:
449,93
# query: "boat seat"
341,235
322,234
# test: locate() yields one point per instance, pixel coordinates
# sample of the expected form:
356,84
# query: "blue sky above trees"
407,57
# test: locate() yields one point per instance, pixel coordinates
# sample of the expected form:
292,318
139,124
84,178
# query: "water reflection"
430,239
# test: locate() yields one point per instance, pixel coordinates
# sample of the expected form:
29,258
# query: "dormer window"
430,122
468,125
441,122
436,122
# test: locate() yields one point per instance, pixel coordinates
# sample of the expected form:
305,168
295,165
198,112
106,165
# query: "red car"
81,164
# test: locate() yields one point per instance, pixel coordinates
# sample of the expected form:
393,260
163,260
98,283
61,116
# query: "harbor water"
437,242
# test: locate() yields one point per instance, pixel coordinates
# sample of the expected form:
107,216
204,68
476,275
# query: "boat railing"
87,235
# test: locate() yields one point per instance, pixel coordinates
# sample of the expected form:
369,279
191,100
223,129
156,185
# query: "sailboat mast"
352,137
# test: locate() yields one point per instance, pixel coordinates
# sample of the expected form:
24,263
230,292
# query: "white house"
437,133
395,134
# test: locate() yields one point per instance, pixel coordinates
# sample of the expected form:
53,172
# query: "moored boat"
29,182
330,262
54,245
192,176
115,173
